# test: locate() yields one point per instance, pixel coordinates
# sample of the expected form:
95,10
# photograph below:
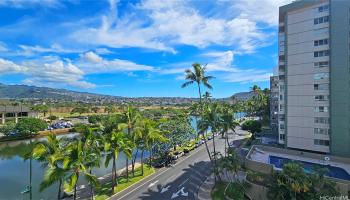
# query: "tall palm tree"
116,142
148,135
227,123
198,76
76,163
130,118
51,153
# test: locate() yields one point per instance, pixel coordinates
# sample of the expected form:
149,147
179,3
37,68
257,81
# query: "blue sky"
138,48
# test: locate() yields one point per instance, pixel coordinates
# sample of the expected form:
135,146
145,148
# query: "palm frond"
187,84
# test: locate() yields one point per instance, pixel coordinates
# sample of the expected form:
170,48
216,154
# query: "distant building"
314,105
15,113
274,95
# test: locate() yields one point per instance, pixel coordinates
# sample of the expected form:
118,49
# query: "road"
178,182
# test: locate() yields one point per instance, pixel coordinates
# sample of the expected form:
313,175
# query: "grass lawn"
235,191
105,190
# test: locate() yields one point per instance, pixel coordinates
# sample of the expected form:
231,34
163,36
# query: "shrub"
252,126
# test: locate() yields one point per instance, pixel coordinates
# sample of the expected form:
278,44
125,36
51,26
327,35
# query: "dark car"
160,162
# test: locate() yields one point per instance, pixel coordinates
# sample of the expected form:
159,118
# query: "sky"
138,48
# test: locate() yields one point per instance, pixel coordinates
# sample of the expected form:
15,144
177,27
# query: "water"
14,171
335,172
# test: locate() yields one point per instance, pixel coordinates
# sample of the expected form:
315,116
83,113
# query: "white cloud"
54,48
92,57
47,70
93,63
103,51
161,25
247,76
7,66
26,3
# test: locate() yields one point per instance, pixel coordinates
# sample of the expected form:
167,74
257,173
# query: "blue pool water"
334,172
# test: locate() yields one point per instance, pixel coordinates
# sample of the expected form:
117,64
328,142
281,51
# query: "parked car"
210,137
160,162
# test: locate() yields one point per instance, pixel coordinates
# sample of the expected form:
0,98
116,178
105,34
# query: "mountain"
52,94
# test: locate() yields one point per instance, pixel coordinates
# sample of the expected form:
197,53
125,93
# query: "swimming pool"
335,172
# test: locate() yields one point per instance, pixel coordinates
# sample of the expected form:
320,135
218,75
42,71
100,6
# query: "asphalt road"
178,182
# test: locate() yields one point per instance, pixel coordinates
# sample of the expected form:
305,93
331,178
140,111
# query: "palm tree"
198,75
76,163
130,118
116,142
227,123
51,153
148,135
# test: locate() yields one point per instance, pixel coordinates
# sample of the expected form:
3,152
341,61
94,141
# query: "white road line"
152,178
183,182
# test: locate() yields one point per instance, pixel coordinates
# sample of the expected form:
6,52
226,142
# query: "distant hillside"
45,93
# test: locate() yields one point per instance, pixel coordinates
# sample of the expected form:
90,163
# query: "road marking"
164,189
153,177
152,184
185,194
183,182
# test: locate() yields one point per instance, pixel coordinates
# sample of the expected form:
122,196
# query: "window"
321,53
321,20
321,109
321,142
321,98
321,76
10,115
320,42
324,86
323,8
321,64
322,131
281,97
321,120
282,136
282,126
281,107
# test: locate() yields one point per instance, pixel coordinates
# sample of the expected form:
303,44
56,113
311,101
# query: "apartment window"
10,115
322,131
323,8
321,64
281,58
324,86
321,98
281,29
321,120
282,136
281,107
321,142
321,20
320,42
321,76
321,53
281,118
281,97
282,126
321,109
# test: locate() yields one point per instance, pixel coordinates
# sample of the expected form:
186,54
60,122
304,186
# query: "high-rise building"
314,76
274,95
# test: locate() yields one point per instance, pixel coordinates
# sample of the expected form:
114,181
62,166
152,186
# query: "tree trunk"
59,189
127,169
215,163
133,161
142,162
91,187
75,188
199,92
113,174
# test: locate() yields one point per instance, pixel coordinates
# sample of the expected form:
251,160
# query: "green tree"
51,154
41,108
228,123
115,141
30,126
130,117
110,109
80,110
76,164
198,76
253,126
8,129
148,134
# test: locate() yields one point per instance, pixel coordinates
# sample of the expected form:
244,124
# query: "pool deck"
260,155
